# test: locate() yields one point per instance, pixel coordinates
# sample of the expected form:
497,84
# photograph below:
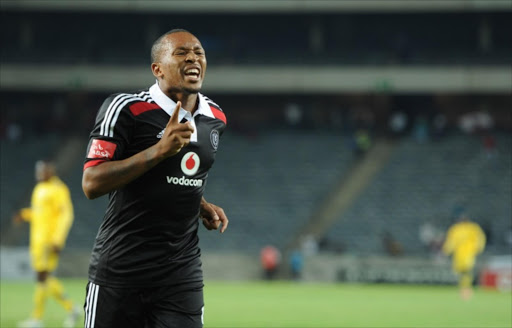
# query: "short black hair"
157,45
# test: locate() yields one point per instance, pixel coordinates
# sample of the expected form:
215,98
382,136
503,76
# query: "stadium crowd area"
316,38
279,163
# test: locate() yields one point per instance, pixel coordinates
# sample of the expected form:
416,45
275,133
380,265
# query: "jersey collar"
168,105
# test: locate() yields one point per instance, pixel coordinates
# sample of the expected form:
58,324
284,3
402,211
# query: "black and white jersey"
148,236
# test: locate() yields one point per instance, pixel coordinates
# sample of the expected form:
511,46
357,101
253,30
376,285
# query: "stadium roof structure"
254,6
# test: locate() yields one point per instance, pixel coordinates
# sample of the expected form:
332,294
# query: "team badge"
214,138
190,163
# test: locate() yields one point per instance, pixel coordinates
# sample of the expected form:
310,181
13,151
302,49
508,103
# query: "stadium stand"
17,171
317,38
427,182
270,185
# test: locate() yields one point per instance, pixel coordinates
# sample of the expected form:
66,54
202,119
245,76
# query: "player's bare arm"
213,216
108,176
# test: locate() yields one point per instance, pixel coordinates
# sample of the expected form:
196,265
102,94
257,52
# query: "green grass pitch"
289,304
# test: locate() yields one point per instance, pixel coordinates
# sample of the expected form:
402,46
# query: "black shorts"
154,307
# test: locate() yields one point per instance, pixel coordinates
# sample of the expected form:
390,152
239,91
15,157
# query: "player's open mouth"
192,73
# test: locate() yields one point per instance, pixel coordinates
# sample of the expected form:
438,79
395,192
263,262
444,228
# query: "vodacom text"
184,181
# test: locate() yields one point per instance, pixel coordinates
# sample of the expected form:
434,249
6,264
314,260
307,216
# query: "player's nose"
191,57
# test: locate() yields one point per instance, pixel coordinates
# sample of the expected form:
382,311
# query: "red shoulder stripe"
218,114
141,107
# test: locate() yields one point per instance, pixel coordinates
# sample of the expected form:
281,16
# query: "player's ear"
156,69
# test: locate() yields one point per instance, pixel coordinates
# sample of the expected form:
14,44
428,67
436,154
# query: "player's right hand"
176,135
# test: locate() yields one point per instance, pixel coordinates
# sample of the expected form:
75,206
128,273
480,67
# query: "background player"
464,240
50,217
151,151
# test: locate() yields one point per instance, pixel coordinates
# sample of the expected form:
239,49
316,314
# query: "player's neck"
189,101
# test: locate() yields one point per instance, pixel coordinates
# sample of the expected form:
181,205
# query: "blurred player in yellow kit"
50,217
464,240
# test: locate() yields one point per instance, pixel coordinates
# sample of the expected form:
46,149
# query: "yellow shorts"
463,264
43,258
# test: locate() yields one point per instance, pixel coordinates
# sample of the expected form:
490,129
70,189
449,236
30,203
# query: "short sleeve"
112,130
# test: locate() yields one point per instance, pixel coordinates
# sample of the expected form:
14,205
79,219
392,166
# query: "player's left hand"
213,216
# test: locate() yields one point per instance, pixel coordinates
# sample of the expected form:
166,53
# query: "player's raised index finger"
223,218
176,113
225,223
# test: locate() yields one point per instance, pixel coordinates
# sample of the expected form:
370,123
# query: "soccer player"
464,240
151,152
50,217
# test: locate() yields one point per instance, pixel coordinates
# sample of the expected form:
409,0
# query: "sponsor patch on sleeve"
102,149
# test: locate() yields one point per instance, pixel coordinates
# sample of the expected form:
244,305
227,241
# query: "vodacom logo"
190,163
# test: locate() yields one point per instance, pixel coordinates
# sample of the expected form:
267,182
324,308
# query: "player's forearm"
447,248
62,229
26,214
109,176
